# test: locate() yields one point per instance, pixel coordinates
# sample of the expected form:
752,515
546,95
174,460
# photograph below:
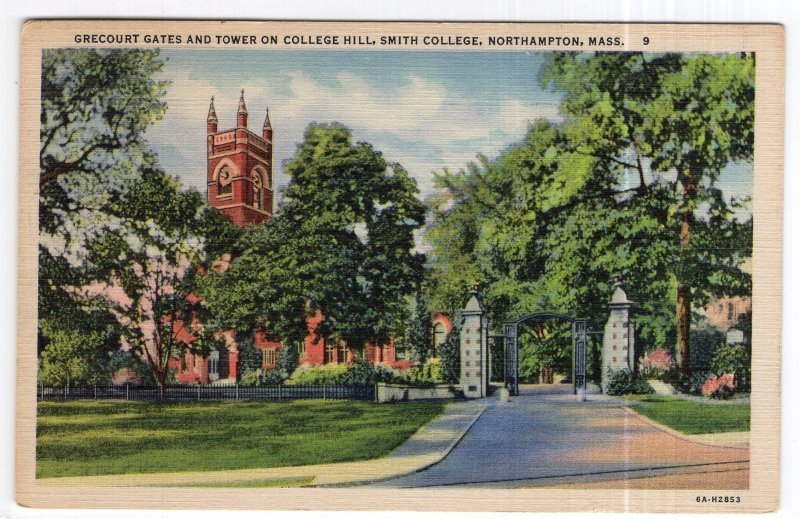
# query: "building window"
213,366
439,336
401,351
730,311
330,353
301,350
258,191
224,181
343,351
269,357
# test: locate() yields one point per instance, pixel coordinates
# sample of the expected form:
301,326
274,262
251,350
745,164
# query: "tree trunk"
683,318
683,306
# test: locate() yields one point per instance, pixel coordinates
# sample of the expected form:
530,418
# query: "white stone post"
474,354
618,353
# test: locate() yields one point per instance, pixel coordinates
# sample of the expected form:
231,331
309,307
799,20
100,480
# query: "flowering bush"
657,364
125,376
718,386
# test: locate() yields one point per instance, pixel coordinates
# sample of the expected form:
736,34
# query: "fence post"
127,392
66,391
95,391
237,390
324,392
280,391
198,391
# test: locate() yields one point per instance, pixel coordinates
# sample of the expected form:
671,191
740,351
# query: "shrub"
326,374
624,382
704,342
657,364
362,372
428,373
733,358
250,379
272,377
127,368
686,384
288,359
249,356
124,376
450,358
718,386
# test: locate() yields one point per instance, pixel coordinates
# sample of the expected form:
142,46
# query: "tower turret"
212,118
241,115
266,130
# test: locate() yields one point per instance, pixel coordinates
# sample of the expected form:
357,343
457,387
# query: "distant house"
723,313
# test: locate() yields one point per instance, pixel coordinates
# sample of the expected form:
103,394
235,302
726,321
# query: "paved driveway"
546,437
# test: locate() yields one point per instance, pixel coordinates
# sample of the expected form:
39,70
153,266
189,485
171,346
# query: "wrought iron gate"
579,341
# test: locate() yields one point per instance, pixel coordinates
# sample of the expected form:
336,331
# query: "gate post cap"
619,296
473,305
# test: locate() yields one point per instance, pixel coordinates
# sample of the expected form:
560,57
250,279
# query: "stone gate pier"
618,350
474,350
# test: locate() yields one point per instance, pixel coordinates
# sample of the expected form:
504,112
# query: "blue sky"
425,110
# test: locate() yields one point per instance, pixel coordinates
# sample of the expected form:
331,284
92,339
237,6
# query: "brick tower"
240,183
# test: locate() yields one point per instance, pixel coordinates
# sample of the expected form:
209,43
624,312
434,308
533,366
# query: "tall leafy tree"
341,245
420,336
552,222
676,120
141,271
96,105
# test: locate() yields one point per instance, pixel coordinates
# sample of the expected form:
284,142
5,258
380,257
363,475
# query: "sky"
426,110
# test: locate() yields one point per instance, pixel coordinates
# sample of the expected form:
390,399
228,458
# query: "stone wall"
398,392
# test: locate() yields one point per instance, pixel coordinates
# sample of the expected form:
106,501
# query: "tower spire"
266,130
267,123
241,115
211,121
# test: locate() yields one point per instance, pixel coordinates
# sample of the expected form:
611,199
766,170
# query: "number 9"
646,40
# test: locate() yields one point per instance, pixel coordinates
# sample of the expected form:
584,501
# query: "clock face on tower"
225,178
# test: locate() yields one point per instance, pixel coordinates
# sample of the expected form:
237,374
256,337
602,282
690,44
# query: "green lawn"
88,438
693,417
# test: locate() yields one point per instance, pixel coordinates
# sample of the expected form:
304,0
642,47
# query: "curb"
380,479
680,435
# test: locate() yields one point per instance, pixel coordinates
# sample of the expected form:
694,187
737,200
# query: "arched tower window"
224,181
258,190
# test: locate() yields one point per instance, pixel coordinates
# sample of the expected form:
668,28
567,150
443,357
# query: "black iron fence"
210,392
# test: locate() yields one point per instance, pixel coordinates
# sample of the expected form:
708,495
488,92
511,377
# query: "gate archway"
579,338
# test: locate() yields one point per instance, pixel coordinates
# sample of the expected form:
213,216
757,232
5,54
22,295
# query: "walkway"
546,437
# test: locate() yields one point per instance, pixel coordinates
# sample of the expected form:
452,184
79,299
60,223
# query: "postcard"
400,266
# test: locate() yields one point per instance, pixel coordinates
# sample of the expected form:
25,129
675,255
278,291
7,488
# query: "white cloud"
420,123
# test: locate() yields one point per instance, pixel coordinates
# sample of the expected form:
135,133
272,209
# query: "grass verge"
86,438
692,417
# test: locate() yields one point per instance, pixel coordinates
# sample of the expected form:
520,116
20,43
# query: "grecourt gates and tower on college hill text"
617,348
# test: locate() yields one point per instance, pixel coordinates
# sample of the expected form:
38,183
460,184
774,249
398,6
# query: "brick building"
241,186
